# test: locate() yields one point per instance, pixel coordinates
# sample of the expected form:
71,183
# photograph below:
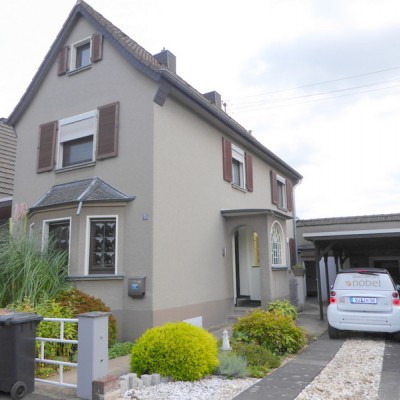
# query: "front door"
246,273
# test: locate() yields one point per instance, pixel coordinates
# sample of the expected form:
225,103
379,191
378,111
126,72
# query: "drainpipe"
321,307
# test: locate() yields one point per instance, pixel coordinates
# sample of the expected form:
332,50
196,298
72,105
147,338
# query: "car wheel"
333,332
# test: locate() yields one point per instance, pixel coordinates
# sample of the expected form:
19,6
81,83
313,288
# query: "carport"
352,248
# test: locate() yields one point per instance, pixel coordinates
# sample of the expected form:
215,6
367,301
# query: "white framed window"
277,246
59,232
80,54
101,244
76,139
238,167
282,197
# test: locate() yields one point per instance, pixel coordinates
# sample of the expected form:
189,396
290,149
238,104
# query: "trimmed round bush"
177,349
273,330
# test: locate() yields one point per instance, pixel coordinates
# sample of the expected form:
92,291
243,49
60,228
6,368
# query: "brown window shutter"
227,159
289,195
47,147
274,188
107,137
292,249
249,172
97,47
63,61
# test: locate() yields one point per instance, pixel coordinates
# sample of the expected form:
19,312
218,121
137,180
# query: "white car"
364,300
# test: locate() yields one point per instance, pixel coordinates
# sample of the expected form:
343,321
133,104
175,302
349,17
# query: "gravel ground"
353,374
205,389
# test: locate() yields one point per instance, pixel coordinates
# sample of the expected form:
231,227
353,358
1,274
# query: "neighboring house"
347,242
169,209
8,144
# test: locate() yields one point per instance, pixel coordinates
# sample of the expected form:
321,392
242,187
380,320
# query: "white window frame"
282,194
65,137
45,233
239,155
74,49
89,218
278,254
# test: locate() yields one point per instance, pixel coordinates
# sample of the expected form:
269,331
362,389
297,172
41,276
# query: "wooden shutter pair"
95,56
107,138
227,164
274,191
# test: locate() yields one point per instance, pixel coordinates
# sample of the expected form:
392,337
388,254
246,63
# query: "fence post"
92,350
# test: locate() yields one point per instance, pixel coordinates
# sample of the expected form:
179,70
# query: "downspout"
321,307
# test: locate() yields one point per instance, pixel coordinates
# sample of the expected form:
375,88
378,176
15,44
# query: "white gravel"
206,389
353,374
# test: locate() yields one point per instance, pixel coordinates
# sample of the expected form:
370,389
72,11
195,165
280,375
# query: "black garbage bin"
17,360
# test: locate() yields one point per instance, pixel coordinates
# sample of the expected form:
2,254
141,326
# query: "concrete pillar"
92,351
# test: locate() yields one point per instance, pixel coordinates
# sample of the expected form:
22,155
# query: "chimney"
214,98
165,57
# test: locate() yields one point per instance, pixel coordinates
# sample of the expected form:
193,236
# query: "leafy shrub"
52,351
179,350
276,332
119,349
257,355
80,302
231,365
283,307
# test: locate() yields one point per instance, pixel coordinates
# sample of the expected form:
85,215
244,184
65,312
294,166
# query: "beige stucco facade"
175,232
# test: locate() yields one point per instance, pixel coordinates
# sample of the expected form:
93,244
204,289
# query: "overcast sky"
316,81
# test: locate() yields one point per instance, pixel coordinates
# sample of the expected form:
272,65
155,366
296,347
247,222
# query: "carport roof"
356,234
356,240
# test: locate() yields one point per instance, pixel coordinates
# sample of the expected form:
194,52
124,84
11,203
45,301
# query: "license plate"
363,300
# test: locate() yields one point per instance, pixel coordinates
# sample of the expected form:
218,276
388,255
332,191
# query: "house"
326,245
169,209
8,144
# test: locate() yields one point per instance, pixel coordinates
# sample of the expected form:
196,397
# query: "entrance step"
238,312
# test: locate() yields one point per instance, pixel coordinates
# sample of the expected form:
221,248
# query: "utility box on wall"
137,286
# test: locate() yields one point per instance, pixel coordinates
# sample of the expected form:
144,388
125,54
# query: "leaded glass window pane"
102,246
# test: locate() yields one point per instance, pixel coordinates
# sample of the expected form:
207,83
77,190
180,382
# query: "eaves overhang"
243,212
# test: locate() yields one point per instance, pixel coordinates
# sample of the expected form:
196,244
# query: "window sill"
280,268
282,208
241,189
73,167
77,70
96,277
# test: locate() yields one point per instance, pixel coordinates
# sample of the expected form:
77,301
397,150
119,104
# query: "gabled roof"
84,191
8,145
170,82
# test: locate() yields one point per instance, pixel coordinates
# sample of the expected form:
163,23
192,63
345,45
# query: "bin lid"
10,317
